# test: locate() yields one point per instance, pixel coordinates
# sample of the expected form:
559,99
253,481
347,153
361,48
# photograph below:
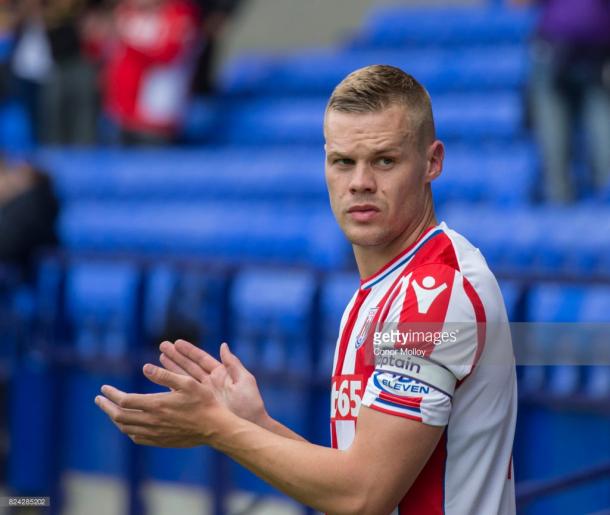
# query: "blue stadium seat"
467,116
226,173
16,133
492,174
184,302
504,174
537,239
570,343
272,317
102,307
317,72
230,231
396,26
337,290
511,292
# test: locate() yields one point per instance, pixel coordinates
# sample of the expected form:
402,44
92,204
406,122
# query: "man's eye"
385,161
344,162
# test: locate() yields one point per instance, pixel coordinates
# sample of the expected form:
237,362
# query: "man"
569,86
435,428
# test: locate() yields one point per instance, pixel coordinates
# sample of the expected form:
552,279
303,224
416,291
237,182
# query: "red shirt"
148,75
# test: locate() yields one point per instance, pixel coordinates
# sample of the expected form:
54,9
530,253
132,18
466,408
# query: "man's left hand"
182,417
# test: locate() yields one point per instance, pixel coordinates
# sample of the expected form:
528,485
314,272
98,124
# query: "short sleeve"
428,338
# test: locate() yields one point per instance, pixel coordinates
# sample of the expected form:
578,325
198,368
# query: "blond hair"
377,87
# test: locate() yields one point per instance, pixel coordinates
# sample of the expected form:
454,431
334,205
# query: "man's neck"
372,259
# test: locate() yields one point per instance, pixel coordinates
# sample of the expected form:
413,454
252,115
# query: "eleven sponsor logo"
399,385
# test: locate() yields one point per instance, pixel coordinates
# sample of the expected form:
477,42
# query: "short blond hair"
377,87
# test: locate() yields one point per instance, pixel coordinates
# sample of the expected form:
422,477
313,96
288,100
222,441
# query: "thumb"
231,362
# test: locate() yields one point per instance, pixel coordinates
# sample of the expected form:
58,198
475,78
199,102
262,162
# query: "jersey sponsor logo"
346,397
366,327
427,293
399,385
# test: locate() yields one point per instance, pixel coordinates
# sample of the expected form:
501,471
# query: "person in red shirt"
149,68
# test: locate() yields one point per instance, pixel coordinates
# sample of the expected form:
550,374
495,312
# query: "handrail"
528,491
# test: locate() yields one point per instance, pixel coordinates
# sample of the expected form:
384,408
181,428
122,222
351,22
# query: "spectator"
32,59
28,210
149,69
69,93
216,14
571,80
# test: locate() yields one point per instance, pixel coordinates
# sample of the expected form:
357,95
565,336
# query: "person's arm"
233,382
369,478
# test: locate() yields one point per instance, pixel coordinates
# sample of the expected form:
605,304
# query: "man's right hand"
234,385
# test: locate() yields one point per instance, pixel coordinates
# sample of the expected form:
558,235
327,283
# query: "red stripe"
481,319
439,250
398,257
395,413
349,327
412,402
333,435
427,494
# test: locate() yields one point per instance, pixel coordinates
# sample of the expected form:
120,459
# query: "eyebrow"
334,154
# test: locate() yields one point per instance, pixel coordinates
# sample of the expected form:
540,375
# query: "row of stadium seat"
566,240
317,72
234,232
399,26
499,175
481,117
540,239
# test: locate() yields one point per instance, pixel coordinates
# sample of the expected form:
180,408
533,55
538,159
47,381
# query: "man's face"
376,174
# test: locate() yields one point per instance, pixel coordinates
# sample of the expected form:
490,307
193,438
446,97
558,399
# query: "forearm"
270,424
311,474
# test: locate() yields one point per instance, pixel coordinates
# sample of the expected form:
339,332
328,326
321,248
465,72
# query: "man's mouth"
363,212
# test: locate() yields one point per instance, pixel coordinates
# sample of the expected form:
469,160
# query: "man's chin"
365,236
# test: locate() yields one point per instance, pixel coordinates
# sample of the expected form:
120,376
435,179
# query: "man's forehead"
375,130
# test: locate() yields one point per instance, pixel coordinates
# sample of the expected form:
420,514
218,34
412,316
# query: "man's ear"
434,157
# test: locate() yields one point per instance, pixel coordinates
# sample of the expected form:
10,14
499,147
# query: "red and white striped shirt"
438,302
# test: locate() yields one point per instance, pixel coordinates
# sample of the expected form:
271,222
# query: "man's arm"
234,383
370,477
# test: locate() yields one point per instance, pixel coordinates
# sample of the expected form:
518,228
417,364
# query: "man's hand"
182,417
233,384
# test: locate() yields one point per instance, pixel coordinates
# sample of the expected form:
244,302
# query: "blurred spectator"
150,67
32,60
28,210
69,93
570,82
216,14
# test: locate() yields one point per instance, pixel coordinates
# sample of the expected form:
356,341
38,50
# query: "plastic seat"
231,232
102,307
396,26
439,69
272,317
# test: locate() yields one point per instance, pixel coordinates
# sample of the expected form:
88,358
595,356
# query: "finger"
199,356
164,377
171,365
135,430
191,367
122,416
231,362
134,401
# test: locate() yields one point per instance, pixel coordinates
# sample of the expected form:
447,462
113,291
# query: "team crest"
366,327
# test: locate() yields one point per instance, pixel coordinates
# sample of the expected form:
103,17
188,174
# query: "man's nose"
363,180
